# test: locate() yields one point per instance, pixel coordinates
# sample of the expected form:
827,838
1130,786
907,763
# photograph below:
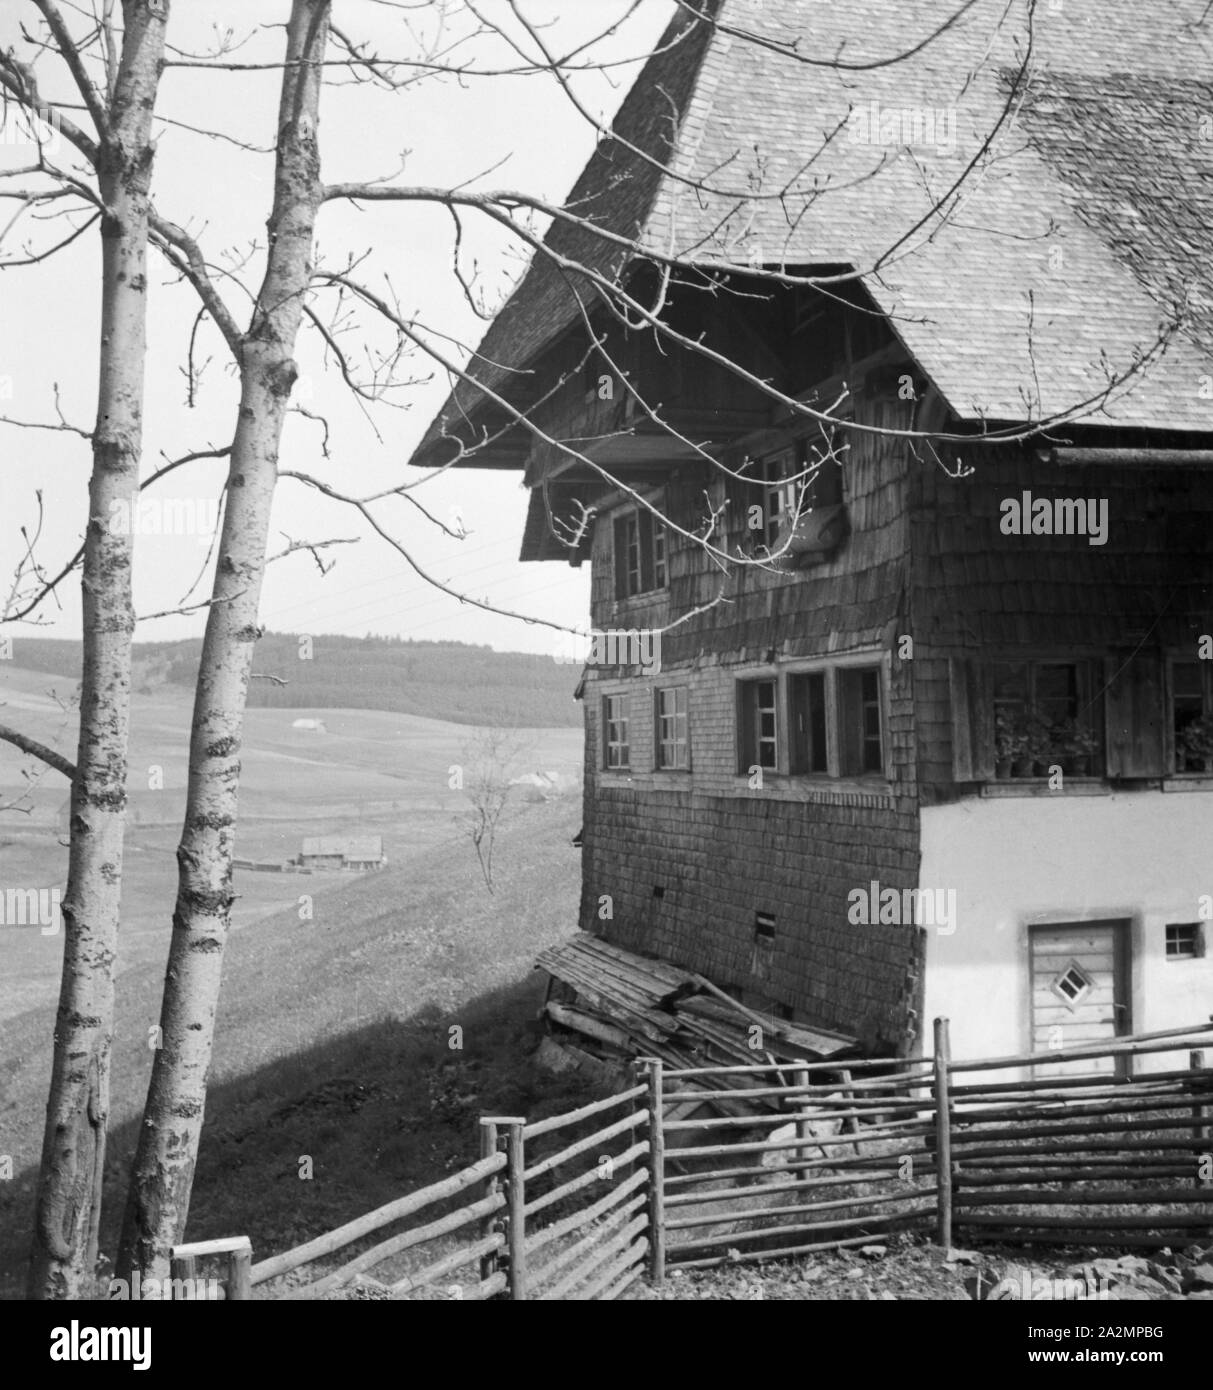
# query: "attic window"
764,926
1073,984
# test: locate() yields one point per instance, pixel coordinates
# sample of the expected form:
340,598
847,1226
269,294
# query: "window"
860,721
1073,984
1045,713
833,716
759,716
807,723
640,554
780,496
1184,941
659,575
615,747
1192,715
793,501
826,453
673,735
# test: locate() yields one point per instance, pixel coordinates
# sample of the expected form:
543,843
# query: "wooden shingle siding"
978,594
723,851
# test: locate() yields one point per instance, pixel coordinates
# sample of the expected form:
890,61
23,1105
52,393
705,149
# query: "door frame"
1122,979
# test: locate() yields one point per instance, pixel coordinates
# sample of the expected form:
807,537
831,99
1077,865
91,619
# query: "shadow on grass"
372,1114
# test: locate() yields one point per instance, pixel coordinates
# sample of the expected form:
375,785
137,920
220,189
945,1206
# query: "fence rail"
832,1155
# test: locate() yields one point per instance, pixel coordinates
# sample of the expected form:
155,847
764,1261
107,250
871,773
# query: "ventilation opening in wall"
764,945
658,891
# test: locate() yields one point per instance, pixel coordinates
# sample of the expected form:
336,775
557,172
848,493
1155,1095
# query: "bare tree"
488,758
119,158
377,348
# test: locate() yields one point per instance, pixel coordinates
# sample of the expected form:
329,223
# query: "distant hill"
439,680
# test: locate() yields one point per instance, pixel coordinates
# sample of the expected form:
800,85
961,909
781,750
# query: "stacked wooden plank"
631,1005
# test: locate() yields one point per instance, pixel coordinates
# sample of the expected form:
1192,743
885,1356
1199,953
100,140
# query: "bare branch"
39,751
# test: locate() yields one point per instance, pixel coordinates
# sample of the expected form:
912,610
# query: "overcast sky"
446,132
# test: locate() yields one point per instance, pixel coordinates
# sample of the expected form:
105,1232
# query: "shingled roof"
1025,272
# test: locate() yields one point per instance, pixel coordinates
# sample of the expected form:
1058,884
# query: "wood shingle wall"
718,851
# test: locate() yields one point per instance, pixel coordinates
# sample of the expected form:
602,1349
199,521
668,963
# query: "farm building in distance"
931,730
359,852
314,726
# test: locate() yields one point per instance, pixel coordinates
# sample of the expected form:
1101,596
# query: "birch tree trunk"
68,1202
158,1197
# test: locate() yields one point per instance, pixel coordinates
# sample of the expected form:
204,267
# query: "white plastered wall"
1017,861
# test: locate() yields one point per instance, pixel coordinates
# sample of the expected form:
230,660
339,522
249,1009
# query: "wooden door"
1080,992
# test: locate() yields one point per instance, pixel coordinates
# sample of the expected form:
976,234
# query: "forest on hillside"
438,680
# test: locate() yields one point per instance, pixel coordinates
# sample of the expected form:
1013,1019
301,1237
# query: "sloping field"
325,1018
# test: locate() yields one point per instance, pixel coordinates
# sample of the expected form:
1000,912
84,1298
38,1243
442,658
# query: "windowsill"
1039,786
644,596
1188,782
819,788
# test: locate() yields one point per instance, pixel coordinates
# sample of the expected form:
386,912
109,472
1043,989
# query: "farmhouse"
359,852
884,685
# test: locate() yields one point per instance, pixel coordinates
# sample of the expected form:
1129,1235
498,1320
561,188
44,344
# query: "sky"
439,132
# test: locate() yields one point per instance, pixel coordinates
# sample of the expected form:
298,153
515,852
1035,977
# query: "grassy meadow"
334,1030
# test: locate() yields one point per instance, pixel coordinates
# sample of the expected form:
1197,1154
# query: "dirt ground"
906,1268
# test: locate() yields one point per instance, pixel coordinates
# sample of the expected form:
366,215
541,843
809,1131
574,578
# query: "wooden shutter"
644,536
1134,712
621,557
972,720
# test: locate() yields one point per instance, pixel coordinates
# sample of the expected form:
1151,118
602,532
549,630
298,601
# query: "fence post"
239,1274
515,1195
1200,1134
800,1077
656,1108
180,1267
943,1137
489,1263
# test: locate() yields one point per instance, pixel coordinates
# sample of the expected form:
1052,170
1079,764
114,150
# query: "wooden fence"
838,1162
700,1166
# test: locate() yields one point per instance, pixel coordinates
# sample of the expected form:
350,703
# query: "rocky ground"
909,1269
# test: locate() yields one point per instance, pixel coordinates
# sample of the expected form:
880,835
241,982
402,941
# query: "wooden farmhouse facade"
939,739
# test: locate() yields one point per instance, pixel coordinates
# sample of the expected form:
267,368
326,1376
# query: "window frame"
1197,937
1088,707
640,554
660,744
749,735
833,671
851,724
805,744
1205,673
624,743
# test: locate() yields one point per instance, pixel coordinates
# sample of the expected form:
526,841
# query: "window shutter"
1133,705
972,720
621,557
645,537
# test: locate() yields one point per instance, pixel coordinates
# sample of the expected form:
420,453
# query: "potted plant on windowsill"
1039,750
1010,743
1076,745
1194,744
